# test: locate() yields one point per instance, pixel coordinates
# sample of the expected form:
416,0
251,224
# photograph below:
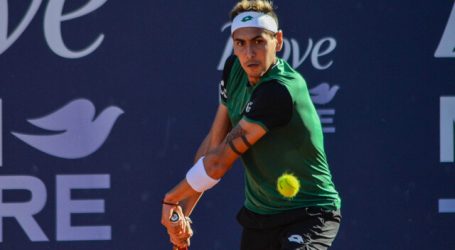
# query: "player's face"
256,49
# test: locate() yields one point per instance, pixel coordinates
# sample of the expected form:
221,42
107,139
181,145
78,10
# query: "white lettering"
286,50
327,120
321,48
446,47
447,123
317,53
24,211
446,206
296,61
52,27
5,41
66,206
1,132
227,48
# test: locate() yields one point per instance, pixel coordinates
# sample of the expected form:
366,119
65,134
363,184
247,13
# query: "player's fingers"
178,209
181,228
166,214
182,237
175,229
189,230
188,242
177,241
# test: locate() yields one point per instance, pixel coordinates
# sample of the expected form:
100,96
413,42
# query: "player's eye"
258,41
239,43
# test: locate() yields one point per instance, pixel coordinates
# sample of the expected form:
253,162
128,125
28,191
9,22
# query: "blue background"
158,62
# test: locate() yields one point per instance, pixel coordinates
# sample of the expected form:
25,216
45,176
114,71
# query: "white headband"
254,19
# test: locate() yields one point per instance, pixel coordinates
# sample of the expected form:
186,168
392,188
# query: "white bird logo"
323,93
80,133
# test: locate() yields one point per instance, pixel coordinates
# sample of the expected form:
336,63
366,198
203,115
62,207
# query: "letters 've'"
53,18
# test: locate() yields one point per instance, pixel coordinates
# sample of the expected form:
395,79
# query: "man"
275,130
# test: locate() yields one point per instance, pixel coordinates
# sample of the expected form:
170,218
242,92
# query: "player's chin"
255,73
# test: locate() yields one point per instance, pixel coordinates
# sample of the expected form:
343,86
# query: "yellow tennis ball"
288,185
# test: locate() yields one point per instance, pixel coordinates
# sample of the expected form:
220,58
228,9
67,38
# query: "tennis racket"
174,218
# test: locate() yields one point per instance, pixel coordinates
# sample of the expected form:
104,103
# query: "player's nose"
249,51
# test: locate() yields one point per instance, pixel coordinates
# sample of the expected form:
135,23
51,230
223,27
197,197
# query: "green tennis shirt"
296,147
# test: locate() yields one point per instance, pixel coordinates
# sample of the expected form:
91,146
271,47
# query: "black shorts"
299,229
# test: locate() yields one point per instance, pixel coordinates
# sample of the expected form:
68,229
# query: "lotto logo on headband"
247,18
252,19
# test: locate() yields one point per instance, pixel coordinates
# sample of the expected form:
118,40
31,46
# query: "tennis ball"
288,185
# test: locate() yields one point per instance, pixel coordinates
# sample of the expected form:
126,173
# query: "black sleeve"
223,84
270,104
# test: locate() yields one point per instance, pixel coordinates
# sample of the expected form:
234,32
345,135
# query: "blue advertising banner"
103,104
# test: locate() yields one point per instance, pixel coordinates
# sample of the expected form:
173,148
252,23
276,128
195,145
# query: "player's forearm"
203,175
217,162
214,138
194,187
190,203
180,192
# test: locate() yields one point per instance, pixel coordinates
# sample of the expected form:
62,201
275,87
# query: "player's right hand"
182,239
166,215
180,230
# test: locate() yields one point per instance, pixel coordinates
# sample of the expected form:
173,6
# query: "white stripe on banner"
447,120
1,133
446,205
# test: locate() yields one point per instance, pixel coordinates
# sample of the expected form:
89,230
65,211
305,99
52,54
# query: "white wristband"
198,178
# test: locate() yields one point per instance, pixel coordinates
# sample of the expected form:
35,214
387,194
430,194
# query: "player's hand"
182,239
176,227
167,213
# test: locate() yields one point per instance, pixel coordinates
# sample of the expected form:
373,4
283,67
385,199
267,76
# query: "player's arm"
270,106
209,170
220,127
205,174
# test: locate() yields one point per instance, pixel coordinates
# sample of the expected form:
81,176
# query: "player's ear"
279,40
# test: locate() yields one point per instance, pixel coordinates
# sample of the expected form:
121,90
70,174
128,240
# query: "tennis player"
266,118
